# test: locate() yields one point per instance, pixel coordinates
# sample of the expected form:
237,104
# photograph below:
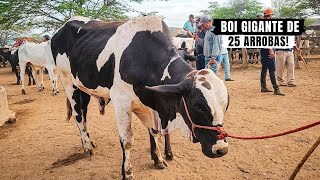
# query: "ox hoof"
54,93
29,84
93,144
57,91
129,177
169,156
161,165
89,153
23,91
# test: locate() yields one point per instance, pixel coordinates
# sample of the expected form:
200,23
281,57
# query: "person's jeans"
213,67
267,63
200,63
226,63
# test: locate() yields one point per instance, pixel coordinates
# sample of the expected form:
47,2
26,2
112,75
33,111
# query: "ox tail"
69,110
102,104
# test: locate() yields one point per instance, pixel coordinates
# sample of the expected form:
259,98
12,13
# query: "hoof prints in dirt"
69,160
25,101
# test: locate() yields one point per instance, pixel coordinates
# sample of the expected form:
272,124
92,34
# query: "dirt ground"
41,145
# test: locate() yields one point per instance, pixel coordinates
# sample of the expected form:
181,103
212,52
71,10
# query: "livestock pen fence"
309,43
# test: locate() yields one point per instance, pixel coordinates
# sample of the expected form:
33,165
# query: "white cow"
38,56
177,42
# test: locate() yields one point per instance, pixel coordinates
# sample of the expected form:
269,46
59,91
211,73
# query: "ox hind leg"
77,105
22,72
52,79
30,75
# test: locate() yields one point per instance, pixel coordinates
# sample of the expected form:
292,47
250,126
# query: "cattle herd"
134,65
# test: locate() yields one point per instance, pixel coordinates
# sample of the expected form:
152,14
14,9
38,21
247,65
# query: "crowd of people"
211,54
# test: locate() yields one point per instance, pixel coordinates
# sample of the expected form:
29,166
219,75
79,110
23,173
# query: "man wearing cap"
212,44
46,38
190,26
268,62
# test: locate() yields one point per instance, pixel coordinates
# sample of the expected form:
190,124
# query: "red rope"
273,135
223,134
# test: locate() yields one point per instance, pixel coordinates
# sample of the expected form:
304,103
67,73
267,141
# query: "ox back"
143,62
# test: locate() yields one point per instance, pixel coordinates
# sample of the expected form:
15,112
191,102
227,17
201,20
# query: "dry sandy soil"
41,145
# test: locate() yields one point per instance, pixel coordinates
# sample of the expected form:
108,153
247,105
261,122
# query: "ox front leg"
156,156
22,72
167,147
123,115
41,79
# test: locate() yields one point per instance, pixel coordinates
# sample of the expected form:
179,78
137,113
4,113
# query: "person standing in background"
268,62
190,26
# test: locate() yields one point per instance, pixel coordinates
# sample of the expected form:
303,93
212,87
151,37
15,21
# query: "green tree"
234,9
48,15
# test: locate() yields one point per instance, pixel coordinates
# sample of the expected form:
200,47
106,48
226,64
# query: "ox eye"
199,108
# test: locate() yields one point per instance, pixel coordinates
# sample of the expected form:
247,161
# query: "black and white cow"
135,64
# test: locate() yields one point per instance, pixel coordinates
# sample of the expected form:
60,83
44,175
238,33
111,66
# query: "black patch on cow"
143,63
77,107
83,49
206,85
123,172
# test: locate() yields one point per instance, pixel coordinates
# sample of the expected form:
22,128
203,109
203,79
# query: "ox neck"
181,70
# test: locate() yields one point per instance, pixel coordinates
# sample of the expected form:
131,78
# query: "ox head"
206,99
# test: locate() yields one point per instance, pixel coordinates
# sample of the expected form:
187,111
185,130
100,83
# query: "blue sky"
176,12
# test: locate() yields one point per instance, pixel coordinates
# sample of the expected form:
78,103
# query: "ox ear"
180,88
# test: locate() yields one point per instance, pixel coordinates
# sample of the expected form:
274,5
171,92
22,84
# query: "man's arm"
271,53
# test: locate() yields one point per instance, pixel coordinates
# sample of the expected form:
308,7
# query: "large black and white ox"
135,64
38,56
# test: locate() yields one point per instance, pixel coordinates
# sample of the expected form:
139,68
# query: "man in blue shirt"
190,26
212,45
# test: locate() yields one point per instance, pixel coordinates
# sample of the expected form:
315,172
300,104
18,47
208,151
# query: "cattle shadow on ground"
71,159
6,129
25,101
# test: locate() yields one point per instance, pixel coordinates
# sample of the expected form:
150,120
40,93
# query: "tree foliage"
234,9
48,15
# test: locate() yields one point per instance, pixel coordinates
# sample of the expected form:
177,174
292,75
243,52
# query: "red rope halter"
223,134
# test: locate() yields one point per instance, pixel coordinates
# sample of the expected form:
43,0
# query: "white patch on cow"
217,96
64,70
177,42
220,145
79,30
178,123
166,70
124,35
